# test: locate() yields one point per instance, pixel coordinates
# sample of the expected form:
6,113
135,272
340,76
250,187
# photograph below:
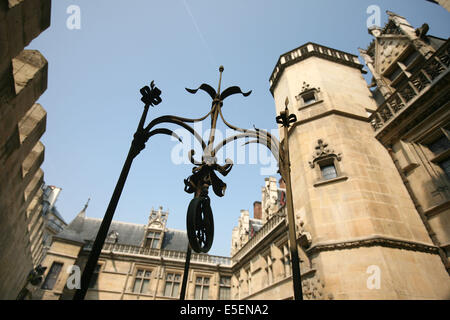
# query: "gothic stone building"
137,262
370,179
23,78
370,174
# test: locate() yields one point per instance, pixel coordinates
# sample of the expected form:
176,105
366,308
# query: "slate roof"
436,42
256,222
175,240
57,214
83,229
254,226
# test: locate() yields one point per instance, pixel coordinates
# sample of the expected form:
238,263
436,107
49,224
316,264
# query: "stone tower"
367,238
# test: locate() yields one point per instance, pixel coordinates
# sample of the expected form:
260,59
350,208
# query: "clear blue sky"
95,73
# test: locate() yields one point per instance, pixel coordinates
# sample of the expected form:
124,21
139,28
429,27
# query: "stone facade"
412,119
370,178
370,173
144,262
23,78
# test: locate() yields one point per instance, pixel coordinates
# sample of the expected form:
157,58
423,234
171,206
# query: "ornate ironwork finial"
216,95
285,118
151,95
220,80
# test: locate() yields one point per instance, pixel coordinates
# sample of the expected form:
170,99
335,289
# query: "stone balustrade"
270,225
166,254
436,67
307,50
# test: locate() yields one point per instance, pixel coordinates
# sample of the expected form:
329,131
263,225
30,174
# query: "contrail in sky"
200,33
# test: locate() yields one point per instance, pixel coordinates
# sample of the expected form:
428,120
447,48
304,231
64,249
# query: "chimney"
257,211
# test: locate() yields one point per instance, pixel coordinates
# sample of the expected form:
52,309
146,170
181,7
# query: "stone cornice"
60,254
69,241
168,256
374,240
326,114
311,50
435,210
306,274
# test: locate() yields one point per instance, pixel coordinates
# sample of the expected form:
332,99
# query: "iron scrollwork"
200,223
199,219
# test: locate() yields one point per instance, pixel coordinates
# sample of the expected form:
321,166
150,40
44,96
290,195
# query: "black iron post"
149,97
186,273
285,119
104,227
199,218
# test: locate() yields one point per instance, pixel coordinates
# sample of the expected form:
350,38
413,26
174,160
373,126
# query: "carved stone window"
201,288
153,239
172,285
440,149
142,281
405,63
113,237
308,96
286,259
52,276
225,288
445,166
94,279
268,269
249,280
326,164
328,170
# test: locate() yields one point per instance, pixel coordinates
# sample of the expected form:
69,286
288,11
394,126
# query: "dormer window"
113,237
158,218
153,239
403,67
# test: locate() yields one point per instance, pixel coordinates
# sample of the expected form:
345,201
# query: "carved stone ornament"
306,88
323,152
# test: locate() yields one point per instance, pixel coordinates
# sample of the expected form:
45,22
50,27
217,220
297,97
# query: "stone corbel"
304,237
305,240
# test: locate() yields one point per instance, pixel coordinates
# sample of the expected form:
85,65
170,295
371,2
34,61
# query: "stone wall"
118,272
364,216
23,78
